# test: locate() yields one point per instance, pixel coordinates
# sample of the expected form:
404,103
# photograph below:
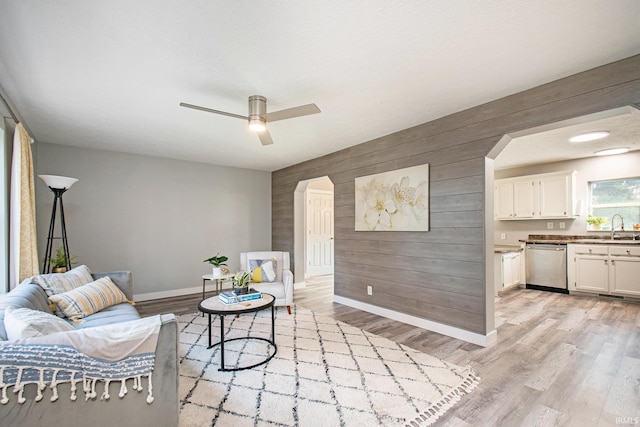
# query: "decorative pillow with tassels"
88,299
262,270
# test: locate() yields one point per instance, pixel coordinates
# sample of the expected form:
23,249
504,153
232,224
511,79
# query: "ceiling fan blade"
210,110
265,137
289,113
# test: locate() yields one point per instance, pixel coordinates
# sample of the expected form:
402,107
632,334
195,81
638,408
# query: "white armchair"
282,287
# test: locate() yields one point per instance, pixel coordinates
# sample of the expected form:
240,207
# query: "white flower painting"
393,201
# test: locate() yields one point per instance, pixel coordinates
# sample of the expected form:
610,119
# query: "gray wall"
441,275
157,217
589,169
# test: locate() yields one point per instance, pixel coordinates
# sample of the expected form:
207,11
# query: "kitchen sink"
609,241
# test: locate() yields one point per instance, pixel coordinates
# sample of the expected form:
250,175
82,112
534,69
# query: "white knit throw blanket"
106,353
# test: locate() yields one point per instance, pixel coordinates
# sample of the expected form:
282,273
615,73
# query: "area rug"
325,373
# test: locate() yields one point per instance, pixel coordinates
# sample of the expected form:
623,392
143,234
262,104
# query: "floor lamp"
57,184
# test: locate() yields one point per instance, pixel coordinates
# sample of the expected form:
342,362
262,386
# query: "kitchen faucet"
613,226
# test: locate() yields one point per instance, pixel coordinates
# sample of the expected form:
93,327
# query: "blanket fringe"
88,385
431,414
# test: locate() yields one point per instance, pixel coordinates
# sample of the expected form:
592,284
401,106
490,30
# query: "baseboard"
450,331
172,293
299,285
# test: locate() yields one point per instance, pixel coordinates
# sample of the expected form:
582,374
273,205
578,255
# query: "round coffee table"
213,306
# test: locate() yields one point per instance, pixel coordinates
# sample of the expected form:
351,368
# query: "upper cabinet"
543,196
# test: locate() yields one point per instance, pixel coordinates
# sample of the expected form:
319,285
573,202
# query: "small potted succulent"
240,282
217,261
596,221
59,262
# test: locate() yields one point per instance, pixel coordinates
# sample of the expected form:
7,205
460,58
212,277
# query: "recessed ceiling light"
589,136
611,151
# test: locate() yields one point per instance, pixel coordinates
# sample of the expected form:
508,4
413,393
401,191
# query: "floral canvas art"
393,201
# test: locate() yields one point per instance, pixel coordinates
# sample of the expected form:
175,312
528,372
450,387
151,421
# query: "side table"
218,281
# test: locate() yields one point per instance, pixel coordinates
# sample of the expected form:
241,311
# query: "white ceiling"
110,74
550,143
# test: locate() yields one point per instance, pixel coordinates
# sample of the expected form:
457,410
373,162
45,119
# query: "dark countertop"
584,240
505,249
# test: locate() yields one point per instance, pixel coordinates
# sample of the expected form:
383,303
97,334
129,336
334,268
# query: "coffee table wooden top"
213,305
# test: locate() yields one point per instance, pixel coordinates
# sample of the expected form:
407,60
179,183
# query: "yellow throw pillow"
263,270
88,299
256,275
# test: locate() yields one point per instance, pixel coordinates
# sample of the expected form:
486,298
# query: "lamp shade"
60,182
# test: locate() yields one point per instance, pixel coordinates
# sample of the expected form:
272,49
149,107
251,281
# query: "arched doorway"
313,229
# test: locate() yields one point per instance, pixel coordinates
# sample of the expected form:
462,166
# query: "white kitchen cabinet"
605,269
556,196
507,271
524,198
592,273
624,270
543,196
503,196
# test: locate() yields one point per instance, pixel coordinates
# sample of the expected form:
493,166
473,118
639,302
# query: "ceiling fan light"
612,151
257,124
589,136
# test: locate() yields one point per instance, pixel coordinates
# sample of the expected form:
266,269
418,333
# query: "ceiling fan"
258,116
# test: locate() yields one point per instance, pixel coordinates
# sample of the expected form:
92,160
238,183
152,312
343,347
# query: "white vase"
217,272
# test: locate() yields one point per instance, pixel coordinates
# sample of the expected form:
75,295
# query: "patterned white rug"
325,373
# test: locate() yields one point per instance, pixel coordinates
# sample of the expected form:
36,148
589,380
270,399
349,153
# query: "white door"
319,232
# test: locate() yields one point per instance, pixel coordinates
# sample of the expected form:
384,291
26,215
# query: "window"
616,197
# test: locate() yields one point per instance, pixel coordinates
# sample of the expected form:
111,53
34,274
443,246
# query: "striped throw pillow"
88,299
58,283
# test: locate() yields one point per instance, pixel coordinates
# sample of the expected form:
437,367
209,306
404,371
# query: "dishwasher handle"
547,247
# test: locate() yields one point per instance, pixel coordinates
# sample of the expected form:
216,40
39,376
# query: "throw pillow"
263,270
28,323
58,283
88,299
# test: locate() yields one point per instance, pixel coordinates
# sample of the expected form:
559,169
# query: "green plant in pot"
217,261
59,262
596,221
241,281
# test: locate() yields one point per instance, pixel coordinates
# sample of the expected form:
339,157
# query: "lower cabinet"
624,270
604,269
507,271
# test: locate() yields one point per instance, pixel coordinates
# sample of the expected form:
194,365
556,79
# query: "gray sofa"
132,409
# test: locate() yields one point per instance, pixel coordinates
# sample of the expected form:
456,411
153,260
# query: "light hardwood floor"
560,360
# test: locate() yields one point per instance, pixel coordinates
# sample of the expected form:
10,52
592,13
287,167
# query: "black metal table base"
242,368
222,341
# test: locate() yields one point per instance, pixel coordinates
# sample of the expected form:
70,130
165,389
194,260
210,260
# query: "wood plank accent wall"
440,275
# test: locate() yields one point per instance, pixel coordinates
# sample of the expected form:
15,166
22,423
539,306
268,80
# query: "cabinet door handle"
613,261
606,262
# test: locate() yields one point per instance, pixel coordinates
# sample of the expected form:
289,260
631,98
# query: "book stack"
230,297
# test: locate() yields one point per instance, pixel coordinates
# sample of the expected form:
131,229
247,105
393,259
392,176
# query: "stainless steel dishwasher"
547,267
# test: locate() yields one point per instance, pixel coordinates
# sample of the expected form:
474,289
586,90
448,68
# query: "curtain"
23,252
